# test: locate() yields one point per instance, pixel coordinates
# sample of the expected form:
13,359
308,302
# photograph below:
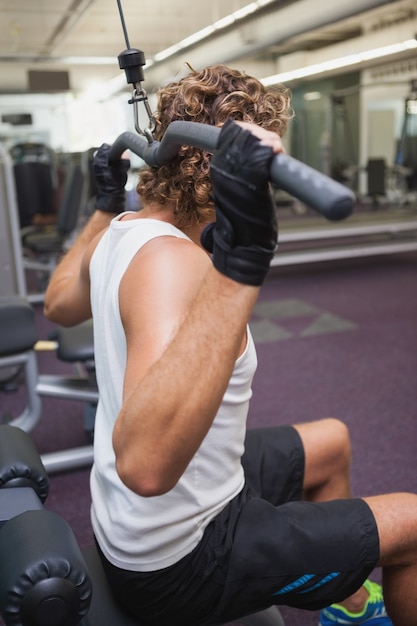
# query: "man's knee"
327,451
326,441
338,437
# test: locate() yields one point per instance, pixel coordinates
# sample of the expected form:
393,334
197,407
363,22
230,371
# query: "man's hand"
110,180
244,237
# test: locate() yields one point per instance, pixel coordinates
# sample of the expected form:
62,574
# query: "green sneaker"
373,613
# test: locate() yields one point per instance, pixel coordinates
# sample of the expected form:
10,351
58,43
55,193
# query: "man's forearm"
65,278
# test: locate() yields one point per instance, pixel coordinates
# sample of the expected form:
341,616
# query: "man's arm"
67,298
169,408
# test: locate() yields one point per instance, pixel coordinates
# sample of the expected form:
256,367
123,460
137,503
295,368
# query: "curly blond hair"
209,96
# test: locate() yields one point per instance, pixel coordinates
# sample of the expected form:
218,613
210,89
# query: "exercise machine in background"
407,146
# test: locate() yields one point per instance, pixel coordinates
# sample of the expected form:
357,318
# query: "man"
198,521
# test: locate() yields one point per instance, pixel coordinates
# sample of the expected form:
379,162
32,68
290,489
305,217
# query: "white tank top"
146,534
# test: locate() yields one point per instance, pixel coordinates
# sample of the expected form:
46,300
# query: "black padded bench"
45,579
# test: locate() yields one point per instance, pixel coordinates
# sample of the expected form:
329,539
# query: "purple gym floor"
338,339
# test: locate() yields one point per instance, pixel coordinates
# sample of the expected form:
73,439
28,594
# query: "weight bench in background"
44,576
43,245
18,339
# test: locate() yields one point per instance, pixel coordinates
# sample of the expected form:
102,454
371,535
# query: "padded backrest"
17,325
34,190
69,208
376,177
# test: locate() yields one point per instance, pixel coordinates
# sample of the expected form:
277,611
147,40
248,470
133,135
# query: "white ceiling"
85,37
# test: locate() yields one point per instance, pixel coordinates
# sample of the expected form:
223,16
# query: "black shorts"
266,547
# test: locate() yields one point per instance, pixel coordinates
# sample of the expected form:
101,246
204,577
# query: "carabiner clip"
140,95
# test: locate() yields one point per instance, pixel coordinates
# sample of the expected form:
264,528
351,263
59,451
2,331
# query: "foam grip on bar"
326,196
331,199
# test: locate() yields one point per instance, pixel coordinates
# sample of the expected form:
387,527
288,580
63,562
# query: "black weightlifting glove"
110,180
243,239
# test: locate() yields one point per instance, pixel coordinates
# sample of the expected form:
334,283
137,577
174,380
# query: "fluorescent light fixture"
346,61
88,60
412,107
168,52
219,25
64,60
196,37
312,95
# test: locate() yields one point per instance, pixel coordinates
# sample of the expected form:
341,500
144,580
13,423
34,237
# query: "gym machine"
18,341
12,278
45,578
406,156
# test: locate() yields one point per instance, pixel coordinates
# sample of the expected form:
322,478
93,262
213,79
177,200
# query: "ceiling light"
346,61
217,26
312,95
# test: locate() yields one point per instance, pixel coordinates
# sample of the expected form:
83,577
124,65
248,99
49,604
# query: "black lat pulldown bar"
328,197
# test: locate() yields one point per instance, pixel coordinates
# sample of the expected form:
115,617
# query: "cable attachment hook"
140,95
132,61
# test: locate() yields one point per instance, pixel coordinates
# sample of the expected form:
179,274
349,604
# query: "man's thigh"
274,463
301,554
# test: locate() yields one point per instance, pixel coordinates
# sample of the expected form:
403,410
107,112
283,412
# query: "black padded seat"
103,608
17,326
44,240
76,343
